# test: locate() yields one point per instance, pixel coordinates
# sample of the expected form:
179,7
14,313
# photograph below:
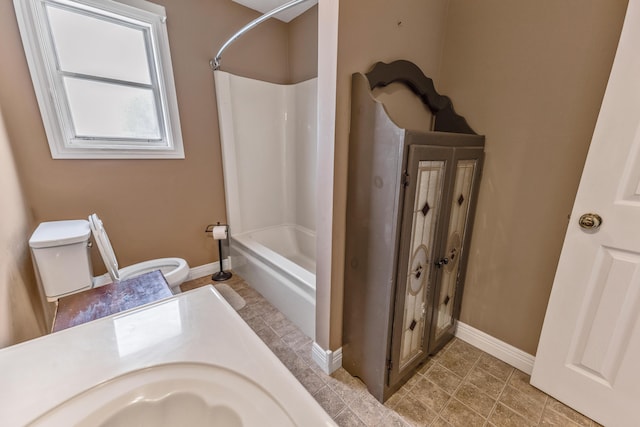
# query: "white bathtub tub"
279,262
293,242
187,360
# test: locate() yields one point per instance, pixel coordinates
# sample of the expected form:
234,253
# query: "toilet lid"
104,246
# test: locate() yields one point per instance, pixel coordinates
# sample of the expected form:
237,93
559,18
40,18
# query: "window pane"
97,47
105,110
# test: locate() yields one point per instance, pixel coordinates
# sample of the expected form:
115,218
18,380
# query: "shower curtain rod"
215,62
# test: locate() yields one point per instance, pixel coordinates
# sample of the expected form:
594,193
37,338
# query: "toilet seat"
104,246
175,270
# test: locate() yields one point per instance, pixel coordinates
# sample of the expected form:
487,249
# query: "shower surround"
269,148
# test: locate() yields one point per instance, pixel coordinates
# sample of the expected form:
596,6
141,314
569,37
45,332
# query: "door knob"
443,261
590,221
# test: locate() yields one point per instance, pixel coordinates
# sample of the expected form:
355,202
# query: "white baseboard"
329,361
495,347
208,269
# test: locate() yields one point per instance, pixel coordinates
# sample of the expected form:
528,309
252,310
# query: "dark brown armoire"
410,204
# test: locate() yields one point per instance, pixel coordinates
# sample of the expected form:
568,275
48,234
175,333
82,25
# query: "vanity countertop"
195,327
113,298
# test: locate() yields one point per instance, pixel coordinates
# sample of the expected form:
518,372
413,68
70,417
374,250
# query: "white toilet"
63,264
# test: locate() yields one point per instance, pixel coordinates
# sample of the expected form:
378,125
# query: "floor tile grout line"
495,405
456,389
544,408
546,400
564,417
527,399
344,409
339,397
476,363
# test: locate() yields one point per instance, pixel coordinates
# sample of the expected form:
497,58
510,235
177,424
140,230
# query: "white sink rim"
197,326
101,403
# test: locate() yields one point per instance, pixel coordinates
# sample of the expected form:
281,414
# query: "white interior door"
589,352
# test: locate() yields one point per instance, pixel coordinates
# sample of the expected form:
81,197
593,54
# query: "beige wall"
303,46
151,208
370,31
530,76
20,310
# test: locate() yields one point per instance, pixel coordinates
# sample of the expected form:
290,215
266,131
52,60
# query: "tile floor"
460,386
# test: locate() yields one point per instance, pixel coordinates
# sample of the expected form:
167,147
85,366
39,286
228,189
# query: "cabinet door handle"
441,262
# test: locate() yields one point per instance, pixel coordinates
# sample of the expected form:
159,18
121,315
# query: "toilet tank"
61,257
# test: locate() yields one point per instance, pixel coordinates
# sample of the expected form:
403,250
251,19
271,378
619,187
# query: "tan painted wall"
530,75
303,46
370,31
20,310
151,208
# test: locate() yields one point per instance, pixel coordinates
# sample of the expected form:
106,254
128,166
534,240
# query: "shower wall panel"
269,151
305,112
258,110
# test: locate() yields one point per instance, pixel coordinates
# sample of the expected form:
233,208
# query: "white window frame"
52,100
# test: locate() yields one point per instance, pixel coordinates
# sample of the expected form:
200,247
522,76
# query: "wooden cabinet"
410,203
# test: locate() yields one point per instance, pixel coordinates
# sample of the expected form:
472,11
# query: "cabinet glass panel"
461,198
426,208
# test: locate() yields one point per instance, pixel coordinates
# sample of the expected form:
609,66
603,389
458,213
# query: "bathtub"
279,262
269,147
295,243
186,360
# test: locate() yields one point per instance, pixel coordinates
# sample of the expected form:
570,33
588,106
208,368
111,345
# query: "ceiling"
265,6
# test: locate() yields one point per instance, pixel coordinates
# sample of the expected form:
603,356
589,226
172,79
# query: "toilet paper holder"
219,232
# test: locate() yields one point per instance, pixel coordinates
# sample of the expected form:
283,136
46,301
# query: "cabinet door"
423,202
451,262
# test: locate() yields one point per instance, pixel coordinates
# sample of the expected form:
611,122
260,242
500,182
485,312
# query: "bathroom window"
102,74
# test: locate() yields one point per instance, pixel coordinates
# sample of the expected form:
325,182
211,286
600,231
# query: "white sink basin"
189,360
192,394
